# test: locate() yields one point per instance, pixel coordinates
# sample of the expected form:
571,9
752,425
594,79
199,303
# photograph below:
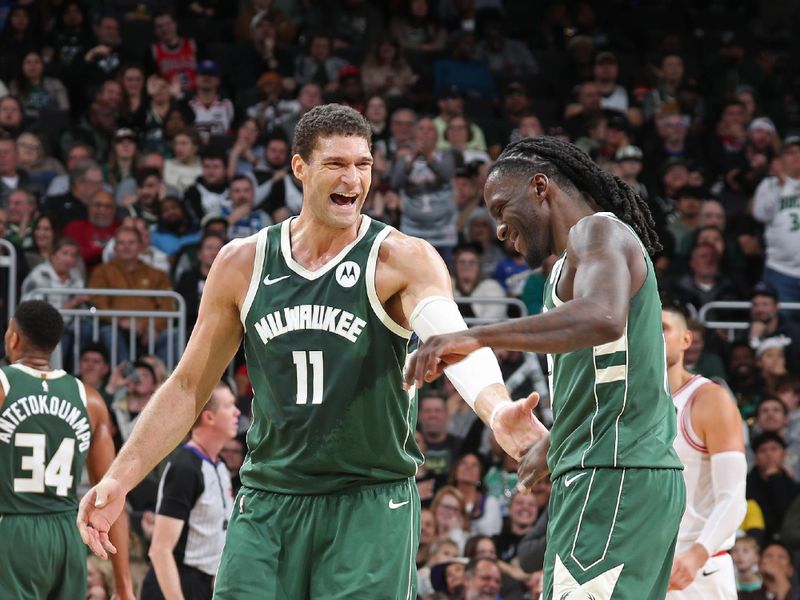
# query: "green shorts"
612,533
359,544
43,557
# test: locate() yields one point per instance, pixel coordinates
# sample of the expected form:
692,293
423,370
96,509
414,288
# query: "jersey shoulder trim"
372,292
49,375
286,250
4,382
685,417
255,278
82,392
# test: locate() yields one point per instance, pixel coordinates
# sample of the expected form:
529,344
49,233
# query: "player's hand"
685,566
533,465
98,510
515,427
440,351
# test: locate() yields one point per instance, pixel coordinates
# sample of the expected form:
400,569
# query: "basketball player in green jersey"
50,425
326,303
618,492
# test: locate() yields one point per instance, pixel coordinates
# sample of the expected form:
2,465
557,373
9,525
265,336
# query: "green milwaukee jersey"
45,435
611,403
326,364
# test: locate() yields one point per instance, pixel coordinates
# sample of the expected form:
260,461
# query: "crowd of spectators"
137,138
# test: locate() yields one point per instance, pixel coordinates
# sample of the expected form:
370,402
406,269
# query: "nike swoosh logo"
707,573
268,281
393,504
570,480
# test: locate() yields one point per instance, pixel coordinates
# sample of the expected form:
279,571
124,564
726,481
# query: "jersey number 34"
57,473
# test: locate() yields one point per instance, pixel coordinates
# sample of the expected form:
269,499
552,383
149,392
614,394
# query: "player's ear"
298,166
687,339
539,185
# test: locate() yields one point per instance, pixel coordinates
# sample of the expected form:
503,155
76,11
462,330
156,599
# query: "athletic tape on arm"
728,476
436,315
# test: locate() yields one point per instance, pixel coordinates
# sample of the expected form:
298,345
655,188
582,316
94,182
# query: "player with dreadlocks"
618,493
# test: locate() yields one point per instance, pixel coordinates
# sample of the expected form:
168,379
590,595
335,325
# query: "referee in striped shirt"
195,499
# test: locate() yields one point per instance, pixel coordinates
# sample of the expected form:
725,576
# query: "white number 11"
301,361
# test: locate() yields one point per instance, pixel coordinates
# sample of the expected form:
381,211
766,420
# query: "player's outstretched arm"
414,285
173,408
101,454
716,420
600,254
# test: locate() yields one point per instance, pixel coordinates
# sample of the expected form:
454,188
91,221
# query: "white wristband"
496,410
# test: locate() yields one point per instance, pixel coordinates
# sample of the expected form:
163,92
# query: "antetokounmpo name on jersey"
310,316
42,404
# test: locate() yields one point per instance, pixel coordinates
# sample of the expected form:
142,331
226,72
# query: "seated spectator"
670,76
85,180
209,193
128,272
123,157
423,176
94,368
451,104
441,552
33,160
503,56
481,231
772,416
467,282
246,154
244,219
701,359
94,232
187,257
309,96
350,90
754,163
22,212
271,107
319,66
460,69
483,511
60,271
512,271
583,111
427,536
418,31
385,72
174,229
606,76
191,283
704,282
671,139
77,152
769,484
150,255
213,114
482,578
183,170
11,176
35,91
129,401
261,51
133,111
787,390
523,511
777,572
458,135
12,120
95,128
150,189
771,360
685,219
767,321
743,378
160,103
102,62
629,168
775,205
175,57
442,446
449,510
746,555
45,232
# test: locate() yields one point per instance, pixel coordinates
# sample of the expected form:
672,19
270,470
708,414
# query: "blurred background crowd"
138,137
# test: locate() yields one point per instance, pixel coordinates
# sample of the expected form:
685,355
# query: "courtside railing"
89,320
733,307
508,302
8,260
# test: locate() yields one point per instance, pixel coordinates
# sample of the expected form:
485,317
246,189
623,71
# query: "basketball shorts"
612,533
43,557
716,580
360,544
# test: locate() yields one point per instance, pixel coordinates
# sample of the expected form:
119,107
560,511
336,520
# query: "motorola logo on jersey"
347,274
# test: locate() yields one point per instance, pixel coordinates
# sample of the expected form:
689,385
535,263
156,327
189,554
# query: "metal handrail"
10,260
115,314
743,305
490,300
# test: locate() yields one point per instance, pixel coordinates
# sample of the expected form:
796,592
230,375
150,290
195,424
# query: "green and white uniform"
618,493
45,436
328,481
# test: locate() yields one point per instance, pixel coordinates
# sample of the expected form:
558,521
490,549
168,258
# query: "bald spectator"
85,180
128,272
94,232
150,255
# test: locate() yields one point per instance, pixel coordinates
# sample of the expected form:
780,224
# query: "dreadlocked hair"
572,168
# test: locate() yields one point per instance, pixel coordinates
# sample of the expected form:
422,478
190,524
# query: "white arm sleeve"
436,315
766,199
728,477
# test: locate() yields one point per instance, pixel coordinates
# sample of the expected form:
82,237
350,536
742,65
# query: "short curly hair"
325,121
40,324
